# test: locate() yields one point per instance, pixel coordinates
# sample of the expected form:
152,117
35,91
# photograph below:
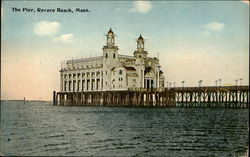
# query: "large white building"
112,71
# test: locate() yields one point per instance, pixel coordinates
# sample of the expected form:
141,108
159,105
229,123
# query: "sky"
196,40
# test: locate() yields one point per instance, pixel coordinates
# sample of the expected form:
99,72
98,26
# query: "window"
121,78
69,85
106,55
65,84
106,73
120,72
114,55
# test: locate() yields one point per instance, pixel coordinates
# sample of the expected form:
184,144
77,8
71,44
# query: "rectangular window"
106,55
65,85
83,84
113,55
69,85
78,85
74,85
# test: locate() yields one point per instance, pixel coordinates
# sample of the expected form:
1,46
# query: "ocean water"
38,128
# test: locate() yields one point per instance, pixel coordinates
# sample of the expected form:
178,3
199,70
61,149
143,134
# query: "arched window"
108,40
120,72
106,55
113,55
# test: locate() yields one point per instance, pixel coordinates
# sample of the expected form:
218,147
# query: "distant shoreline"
30,100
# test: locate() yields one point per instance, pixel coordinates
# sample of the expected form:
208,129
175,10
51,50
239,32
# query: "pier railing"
212,96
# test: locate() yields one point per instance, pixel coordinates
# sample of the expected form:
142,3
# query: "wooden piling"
54,98
185,97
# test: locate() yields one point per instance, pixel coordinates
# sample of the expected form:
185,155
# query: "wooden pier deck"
226,96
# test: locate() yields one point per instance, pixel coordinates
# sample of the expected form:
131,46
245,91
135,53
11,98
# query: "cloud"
43,28
215,26
141,7
207,33
67,38
245,1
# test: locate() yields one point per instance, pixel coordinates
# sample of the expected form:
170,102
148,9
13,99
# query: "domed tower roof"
110,31
140,37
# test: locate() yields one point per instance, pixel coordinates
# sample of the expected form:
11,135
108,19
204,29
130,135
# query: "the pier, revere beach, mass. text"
50,10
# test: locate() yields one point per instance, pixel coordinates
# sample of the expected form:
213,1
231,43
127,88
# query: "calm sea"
38,128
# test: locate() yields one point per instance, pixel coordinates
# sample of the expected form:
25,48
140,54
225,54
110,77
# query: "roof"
127,68
110,31
140,37
130,68
84,59
126,56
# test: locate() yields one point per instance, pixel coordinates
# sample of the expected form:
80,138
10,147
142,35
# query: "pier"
212,96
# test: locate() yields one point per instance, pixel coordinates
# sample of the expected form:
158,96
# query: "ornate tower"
110,59
140,54
110,38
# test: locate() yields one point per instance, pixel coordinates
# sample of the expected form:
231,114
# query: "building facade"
112,71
